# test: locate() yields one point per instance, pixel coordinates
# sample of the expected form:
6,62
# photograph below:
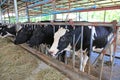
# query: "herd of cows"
61,38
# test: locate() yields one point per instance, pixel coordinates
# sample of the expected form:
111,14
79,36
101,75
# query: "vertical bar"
3,18
54,8
87,16
104,15
16,10
91,44
73,57
27,13
8,15
81,46
0,15
101,70
79,16
114,43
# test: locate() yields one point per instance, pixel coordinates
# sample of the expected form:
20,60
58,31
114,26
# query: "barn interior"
97,12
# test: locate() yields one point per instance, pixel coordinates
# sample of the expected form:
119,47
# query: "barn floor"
18,64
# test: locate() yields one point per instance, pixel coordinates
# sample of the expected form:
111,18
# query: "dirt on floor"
18,64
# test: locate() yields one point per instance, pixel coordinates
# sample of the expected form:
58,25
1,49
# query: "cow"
45,34
63,41
25,33
7,30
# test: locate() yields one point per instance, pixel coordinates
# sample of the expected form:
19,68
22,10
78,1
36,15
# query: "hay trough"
17,64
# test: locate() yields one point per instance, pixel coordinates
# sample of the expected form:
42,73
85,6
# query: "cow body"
8,30
45,34
63,40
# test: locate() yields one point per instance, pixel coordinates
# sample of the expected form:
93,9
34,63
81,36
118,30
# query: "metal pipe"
3,2
8,15
66,11
27,13
40,3
81,46
0,15
91,44
16,10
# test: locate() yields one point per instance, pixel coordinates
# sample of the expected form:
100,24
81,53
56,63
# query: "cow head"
3,31
23,35
62,39
37,37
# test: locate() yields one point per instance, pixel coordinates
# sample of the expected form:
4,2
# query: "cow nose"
51,53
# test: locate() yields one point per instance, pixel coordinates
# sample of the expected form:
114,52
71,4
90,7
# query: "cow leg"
85,59
81,61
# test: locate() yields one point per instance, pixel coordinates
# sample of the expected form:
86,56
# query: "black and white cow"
45,34
7,30
63,40
25,33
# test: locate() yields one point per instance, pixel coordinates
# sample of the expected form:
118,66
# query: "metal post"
8,15
81,46
27,13
0,15
16,10
91,44
114,43
104,15
54,8
73,57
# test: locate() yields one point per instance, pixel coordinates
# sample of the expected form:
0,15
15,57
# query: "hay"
18,64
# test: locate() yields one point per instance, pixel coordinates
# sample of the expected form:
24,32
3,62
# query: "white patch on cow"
18,28
68,48
109,37
0,28
93,31
9,26
83,61
8,34
97,49
57,36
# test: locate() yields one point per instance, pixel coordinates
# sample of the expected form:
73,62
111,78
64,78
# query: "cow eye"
63,39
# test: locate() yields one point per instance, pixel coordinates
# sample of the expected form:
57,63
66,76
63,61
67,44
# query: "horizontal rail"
107,24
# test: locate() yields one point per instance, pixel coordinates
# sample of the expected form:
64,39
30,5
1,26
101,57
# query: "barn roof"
58,6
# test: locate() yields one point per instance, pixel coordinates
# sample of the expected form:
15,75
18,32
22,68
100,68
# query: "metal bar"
73,56
0,15
8,15
101,70
91,44
81,46
102,8
27,13
2,2
16,11
115,45
40,3
105,24
104,15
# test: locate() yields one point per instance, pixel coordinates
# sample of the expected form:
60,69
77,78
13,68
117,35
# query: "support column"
0,15
8,15
54,8
27,13
16,11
